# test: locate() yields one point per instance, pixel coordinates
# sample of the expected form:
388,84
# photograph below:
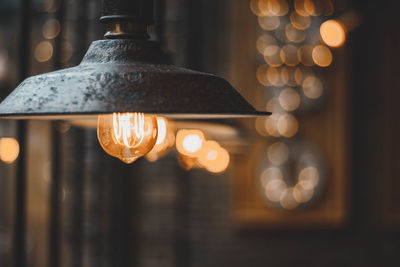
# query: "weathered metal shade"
125,74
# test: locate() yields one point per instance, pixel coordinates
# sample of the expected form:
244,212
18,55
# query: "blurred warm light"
51,28
43,51
287,125
9,150
269,23
309,175
271,124
269,174
189,142
187,162
322,56
67,51
300,22
214,157
255,7
272,104
260,126
298,76
287,199
333,33
274,189
304,55
263,41
51,6
273,76
303,192
165,139
312,87
293,34
262,74
288,76
289,99
289,55
273,7
278,153
272,56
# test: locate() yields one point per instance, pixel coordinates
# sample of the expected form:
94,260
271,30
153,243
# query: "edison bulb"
127,136
165,139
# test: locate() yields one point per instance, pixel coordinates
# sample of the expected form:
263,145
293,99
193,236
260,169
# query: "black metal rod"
19,242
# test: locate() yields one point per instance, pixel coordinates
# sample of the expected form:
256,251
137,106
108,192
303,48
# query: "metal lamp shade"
122,75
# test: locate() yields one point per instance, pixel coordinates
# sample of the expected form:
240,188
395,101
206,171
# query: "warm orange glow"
300,22
274,189
260,126
287,125
269,23
289,99
322,56
271,124
288,200
293,34
190,142
273,7
289,55
278,153
309,175
304,54
127,136
51,29
303,192
262,74
272,173
273,76
165,139
43,51
263,41
9,150
333,33
272,56
213,157
312,87
288,76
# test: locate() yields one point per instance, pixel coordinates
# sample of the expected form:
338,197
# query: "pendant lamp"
124,82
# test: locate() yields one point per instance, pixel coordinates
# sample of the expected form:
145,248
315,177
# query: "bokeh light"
287,125
312,87
51,29
289,55
43,51
289,99
333,33
214,157
322,56
278,153
300,22
189,142
9,149
269,23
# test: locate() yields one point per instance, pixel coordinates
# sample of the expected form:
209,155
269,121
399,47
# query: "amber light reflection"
197,152
9,150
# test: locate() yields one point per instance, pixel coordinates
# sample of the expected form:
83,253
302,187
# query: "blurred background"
314,184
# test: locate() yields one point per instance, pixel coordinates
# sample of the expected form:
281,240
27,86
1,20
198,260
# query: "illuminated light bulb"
333,33
9,150
165,139
127,136
189,142
213,157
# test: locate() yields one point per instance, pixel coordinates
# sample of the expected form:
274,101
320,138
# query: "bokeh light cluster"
294,43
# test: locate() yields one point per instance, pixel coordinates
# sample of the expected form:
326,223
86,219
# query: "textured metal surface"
128,10
122,76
